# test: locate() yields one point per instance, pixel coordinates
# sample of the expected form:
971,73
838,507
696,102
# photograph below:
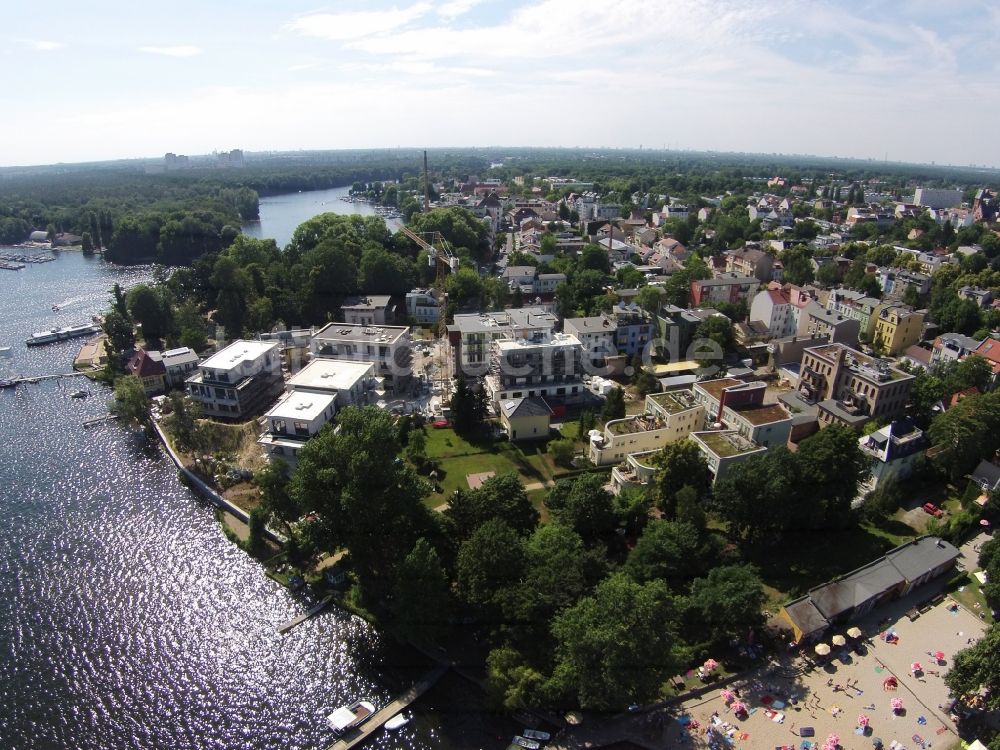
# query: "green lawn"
460,456
967,592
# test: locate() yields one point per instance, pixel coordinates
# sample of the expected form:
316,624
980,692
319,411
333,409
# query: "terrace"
638,423
726,444
672,402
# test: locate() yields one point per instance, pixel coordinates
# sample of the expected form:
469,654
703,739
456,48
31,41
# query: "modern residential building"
726,287
851,387
541,365
422,307
724,449
894,281
297,417
634,328
982,297
367,311
388,347
238,381
350,383
897,327
636,471
597,336
893,451
668,417
471,335
739,406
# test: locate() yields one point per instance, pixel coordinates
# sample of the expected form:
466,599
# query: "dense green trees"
365,499
967,433
131,404
679,464
583,505
977,669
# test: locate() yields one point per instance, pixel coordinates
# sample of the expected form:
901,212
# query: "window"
278,425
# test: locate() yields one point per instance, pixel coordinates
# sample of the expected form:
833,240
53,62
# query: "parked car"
933,510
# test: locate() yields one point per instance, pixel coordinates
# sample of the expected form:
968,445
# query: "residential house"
851,387
634,329
515,276
982,297
366,311
149,369
667,418
854,305
892,451
951,347
990,349
897,327
815,321
895,281
296,418
525,418
773,308
937,197
388,347
739,406
987,476
750,262
422,307
238,381
726,287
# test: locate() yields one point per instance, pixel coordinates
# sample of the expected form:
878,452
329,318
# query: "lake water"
127,619
280,215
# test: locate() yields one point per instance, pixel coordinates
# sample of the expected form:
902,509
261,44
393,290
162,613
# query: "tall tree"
583,505
421,602
976,670
679,464
725,605
615,647
131,404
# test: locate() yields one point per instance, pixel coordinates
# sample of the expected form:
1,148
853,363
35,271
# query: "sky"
914,81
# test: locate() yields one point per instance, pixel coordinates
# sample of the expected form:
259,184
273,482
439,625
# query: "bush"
562,452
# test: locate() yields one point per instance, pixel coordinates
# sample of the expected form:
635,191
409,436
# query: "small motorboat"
348,717
79,394
526,743
536,734
398,721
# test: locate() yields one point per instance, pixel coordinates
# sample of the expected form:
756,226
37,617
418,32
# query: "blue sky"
915,81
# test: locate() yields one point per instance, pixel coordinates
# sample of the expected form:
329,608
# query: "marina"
382,717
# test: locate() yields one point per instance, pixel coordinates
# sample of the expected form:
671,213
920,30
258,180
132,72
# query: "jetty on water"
375,723
286,626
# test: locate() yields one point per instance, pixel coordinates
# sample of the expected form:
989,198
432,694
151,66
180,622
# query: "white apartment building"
774,308
540,365
298,416
471,335
422,307
351,383
237,381
388,347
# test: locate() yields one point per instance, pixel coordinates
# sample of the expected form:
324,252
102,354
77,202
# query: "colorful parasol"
896,704
727,695
938,655
711,665
916,667
863,720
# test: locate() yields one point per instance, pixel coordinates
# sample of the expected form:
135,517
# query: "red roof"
990,348
144,366
779,296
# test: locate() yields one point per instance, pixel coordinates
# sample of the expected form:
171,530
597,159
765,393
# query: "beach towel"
778,704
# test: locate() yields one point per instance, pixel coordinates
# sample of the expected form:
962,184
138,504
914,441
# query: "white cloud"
183,50
456,8
355,24
43,45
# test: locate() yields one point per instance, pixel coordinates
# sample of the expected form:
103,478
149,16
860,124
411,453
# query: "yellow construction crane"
440,256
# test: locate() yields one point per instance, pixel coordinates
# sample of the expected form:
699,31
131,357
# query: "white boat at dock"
398,721
61,334
348,717
524,742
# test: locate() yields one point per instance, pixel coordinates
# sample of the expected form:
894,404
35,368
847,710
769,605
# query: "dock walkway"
286,626
366,730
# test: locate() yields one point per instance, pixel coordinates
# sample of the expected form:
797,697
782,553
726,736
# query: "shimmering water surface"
127,620
281,214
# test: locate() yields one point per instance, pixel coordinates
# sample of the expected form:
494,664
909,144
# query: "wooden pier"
375,723
286,626
99,420
38,378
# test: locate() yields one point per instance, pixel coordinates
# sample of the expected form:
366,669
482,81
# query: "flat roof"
519,317
356,332
671,367
237,353
674,402
714,388
764,414
331,374
303,406
727,444
555,340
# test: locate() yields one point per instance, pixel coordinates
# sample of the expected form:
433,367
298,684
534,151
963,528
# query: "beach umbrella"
832,742
727,695
822,649
984,523
738,707
863,720
916,667
896,704
711,665
938,655
854,633
838,640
